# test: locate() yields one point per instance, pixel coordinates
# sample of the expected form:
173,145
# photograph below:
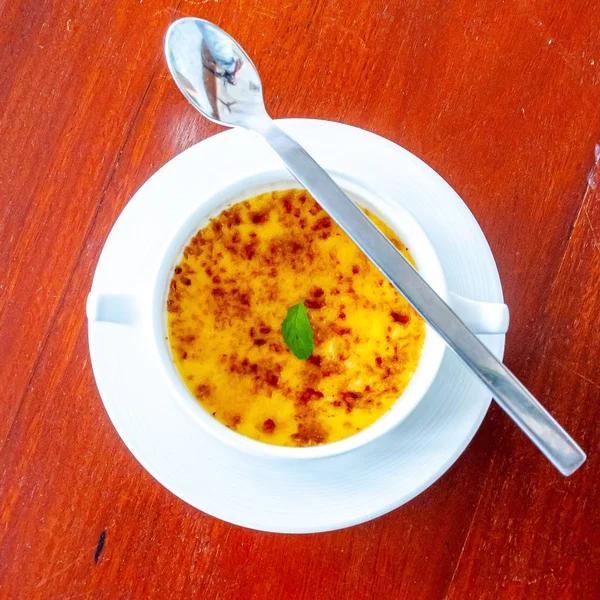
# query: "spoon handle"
541,428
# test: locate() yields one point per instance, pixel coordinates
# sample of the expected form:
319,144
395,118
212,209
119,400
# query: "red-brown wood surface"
501,98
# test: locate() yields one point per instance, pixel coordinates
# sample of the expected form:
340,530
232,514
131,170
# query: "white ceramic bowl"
482,316
408,231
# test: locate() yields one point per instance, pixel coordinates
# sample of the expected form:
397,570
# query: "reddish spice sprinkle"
202,391
172,306
309,394
314,209
318,303
314,360
349,404
250,250
324,223
400,318
272,378
317,299
269,426
245,299
310,433
260,217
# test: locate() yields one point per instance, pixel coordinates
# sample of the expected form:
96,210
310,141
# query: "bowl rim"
393,214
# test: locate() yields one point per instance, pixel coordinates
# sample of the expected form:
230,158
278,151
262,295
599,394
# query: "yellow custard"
227,300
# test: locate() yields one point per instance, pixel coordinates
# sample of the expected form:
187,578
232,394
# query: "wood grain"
500,98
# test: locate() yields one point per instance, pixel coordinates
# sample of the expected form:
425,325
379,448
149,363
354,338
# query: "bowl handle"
480,317
112,308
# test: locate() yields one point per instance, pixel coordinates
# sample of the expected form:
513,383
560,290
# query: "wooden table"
501,98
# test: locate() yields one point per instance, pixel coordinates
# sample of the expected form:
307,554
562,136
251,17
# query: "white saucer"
290,496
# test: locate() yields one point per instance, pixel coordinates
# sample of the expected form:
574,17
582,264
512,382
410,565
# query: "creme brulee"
227,300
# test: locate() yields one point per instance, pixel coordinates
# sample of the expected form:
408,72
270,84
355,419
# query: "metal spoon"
219,79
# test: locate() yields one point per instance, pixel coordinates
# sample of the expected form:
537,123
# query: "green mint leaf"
297,332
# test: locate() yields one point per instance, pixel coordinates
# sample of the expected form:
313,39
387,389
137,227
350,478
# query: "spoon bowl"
214,73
